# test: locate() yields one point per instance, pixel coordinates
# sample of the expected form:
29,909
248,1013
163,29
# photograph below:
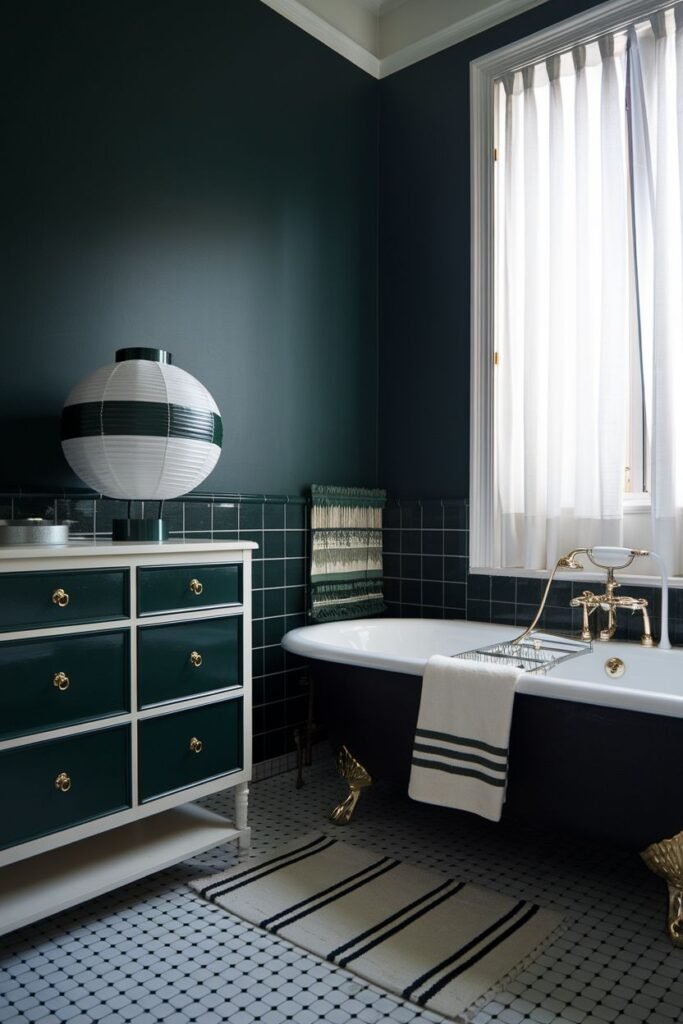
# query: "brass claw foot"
357,778
666,860
343,812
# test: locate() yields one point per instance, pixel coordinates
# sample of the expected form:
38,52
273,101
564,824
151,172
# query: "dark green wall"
425,262
200,177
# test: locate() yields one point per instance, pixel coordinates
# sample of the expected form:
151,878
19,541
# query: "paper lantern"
141,428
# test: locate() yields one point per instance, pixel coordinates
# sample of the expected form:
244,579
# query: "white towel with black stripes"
460,753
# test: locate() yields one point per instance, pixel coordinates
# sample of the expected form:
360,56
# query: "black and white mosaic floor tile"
155,951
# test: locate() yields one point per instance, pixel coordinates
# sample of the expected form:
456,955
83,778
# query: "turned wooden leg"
666,860
241,806
357,778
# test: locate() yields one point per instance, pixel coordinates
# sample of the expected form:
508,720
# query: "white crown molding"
304,17
325,33
454,33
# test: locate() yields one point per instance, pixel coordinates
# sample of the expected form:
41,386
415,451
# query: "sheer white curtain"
563,274
656,88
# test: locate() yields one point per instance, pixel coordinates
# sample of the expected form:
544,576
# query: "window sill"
630,578
639,505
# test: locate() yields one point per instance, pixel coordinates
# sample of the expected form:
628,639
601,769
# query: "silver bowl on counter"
15,532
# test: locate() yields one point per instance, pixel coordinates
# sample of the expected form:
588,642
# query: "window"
577,239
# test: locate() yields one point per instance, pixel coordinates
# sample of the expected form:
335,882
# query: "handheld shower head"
569,561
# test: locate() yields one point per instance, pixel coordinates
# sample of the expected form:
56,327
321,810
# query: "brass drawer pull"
196,745
63,782
196,659
61,681
196,587
60,598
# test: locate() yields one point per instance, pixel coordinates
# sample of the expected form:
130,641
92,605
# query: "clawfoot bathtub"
595,748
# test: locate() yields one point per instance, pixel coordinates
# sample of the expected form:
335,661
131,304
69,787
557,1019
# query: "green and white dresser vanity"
125,694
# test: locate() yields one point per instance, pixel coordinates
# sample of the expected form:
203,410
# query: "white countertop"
110,547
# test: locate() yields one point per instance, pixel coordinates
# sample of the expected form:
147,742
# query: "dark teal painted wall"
425,262
200,177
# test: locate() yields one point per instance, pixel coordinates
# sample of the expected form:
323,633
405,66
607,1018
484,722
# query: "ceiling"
383,36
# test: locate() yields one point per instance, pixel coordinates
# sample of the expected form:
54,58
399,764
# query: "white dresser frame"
45,875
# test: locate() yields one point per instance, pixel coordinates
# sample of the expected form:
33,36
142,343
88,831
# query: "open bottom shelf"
49,882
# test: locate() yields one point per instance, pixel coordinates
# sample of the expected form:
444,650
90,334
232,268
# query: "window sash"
610,17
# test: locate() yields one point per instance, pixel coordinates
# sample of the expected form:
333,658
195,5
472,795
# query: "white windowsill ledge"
630,578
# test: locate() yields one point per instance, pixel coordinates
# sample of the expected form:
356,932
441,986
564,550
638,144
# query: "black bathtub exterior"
598,772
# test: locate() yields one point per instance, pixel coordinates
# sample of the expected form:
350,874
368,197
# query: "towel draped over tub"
346,552
460,755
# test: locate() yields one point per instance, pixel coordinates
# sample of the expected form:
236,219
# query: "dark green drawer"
173,588
60,680
93,768
31,600
186,658
194,746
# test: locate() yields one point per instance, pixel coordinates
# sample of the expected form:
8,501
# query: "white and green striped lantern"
141,428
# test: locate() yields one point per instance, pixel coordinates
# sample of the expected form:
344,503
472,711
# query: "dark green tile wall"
426,561
426,567
425,558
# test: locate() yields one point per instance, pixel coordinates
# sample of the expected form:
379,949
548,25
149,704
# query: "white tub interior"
652,681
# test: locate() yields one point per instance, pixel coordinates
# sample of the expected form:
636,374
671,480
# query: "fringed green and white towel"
346,552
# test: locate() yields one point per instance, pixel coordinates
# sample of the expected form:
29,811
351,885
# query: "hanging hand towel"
460,754
346,552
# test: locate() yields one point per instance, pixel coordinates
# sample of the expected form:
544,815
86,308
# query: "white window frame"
608,17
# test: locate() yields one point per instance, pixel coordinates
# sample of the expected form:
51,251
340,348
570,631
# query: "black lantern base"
151,530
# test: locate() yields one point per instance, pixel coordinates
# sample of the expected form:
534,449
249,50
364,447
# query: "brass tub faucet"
609,603
610,559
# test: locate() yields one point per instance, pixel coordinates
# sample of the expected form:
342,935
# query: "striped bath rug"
437,942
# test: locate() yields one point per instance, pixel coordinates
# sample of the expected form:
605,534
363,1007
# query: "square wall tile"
455,515
198,517
274,515
250,516
295,543
295,516
273,544
273,602
411,515
225,516
391,517
432,515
